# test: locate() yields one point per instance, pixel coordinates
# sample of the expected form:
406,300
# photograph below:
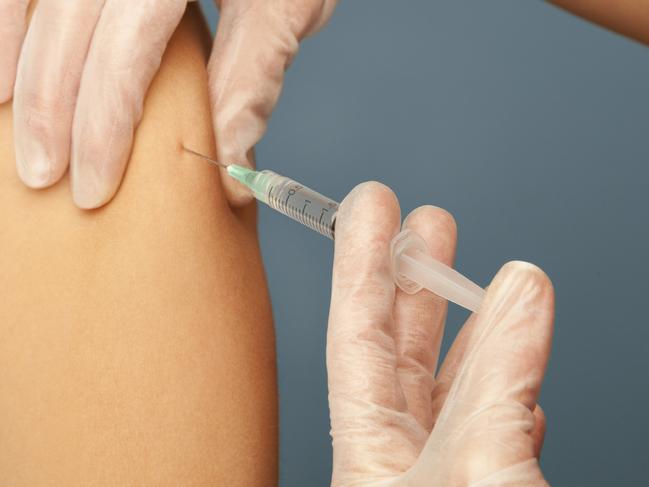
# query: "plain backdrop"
532,128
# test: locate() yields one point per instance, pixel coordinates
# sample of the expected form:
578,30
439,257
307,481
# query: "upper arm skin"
136,341
628,17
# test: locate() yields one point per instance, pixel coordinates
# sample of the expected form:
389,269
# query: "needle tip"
213,161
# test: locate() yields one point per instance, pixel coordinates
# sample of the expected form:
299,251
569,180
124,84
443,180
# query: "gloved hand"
255,43
396,419
86,65
83,71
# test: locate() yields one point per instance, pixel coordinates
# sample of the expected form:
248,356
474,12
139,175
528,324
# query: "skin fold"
136,340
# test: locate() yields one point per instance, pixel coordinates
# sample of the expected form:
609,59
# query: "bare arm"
136,341
627,17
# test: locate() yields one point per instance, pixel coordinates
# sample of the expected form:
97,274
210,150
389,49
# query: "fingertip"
35,167
236,193
36,176
372,199
527,270
522,294
427,214
523,280
90,196
96,171
96,174
437,227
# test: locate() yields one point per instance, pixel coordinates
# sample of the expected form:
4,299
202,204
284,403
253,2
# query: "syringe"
412,266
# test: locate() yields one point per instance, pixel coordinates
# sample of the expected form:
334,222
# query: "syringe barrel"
412,266
299,202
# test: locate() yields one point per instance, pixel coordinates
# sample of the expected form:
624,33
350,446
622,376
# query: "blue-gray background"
532,128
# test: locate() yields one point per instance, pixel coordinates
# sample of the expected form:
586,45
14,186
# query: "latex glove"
394,419
255,43
82,75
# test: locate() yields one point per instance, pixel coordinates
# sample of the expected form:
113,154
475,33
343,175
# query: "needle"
213,161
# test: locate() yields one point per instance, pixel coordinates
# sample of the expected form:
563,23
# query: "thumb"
486,426
255,42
